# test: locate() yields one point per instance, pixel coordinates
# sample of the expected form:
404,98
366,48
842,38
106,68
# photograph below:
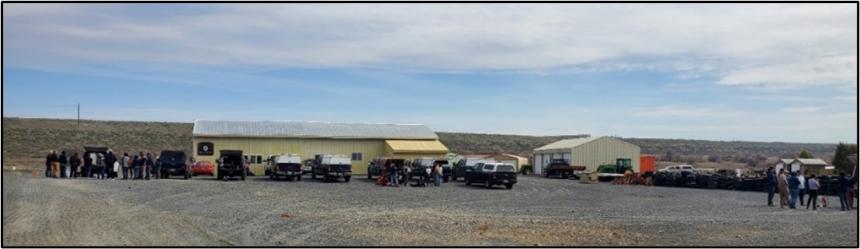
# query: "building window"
259,159
356,156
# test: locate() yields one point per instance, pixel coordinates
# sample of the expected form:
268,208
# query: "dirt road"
260,212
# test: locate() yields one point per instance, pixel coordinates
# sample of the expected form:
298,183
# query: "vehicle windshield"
505,168
172,157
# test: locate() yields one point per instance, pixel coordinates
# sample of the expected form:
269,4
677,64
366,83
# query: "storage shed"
362,142
590,152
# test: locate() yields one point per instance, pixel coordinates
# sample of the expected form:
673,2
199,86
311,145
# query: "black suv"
490,174
173,163
331,167
231,164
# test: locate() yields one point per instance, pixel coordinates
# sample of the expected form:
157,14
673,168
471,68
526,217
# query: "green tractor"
608,172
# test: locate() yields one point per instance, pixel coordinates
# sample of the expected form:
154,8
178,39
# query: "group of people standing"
101,165
399,175
792,187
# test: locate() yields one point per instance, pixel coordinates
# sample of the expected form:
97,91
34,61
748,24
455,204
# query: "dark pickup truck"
287,166
464,166
231,164
331,167
560,168
420,164
491,174
173,163
378,166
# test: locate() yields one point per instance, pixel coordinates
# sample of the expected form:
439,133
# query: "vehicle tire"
299,177
244,173
369,177
454,178
487,184
186,176
313,175
468,183
445,179
220,175
509,186
346,178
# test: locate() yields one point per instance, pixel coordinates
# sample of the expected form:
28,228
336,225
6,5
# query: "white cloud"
764,45
800,109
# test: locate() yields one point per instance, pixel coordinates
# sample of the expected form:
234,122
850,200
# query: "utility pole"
79,115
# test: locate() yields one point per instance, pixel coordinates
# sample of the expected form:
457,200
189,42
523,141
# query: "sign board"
205,149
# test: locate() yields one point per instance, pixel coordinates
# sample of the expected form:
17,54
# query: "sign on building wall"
205,149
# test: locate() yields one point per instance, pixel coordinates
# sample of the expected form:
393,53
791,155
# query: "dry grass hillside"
26,141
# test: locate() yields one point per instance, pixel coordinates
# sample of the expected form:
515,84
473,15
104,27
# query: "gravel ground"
259,212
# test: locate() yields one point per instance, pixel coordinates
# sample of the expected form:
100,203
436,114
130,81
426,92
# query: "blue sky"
760,72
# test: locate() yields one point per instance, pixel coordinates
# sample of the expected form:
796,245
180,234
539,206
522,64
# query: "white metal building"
590,152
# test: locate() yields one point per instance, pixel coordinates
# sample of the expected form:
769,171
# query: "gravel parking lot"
259,212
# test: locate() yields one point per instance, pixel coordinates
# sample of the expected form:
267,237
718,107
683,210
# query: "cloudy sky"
759,72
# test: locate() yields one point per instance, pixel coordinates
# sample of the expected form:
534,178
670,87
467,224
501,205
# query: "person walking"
793,189
802,187
812,189
74,163
771,186
123,163
842,191
64,165
392,175
782,186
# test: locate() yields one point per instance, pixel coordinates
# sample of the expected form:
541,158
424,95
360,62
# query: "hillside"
26,141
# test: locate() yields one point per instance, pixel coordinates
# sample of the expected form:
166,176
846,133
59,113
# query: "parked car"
203,168
287,166
232,164
466,165
490,174
332,167
174,163
378,165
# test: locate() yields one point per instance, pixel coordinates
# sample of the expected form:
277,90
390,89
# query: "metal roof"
310,130
568,143
811,161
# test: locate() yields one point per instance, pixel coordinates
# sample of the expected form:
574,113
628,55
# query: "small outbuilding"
805,165
590,152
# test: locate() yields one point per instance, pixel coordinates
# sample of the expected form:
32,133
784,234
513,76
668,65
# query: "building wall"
306,148
605,151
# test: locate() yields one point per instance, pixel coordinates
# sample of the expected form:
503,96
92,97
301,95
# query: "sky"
750,72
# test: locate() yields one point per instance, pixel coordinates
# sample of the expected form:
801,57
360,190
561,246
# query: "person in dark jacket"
392,175
87,171
48,165
147,165
64,164
110,159
135,167
842,191
793,190
74,163
771,186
